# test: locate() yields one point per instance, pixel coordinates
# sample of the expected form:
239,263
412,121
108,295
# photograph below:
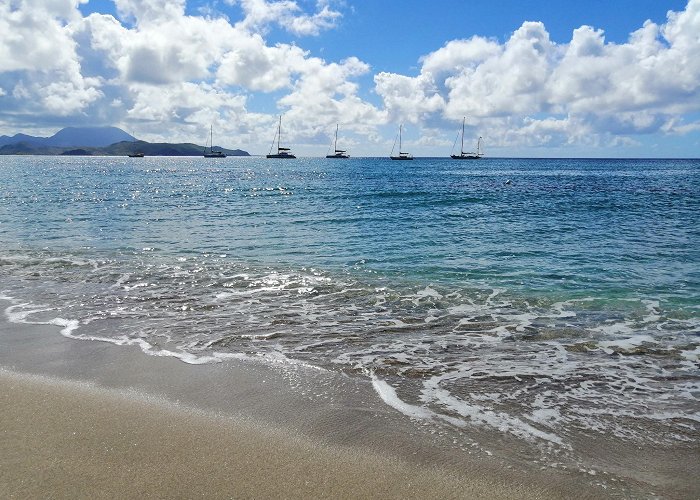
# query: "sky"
536,78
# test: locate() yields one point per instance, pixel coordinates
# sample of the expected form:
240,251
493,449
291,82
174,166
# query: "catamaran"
402,155
338,153
467,155
212,153
281,152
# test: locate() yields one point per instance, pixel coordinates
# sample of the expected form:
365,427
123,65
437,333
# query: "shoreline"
66,439
144,424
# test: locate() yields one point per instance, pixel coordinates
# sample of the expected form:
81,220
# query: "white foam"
20,316
480,415
561,312
626,343
121,280
69,326
259,336
652,307
388,395
613,329
693,355
427,292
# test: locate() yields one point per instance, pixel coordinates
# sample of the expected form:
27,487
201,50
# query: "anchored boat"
281,152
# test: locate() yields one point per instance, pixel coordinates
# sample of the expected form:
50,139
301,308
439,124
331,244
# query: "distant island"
99,141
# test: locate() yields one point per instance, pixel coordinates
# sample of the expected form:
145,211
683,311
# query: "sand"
70,440
86,419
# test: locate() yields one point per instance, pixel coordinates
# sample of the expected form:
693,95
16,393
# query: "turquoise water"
542,298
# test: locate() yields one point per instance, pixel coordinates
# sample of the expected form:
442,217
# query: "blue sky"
535,78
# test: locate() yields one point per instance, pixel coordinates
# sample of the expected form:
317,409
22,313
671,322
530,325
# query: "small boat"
467,155
212,153
402,155
137,155
339,153
281,152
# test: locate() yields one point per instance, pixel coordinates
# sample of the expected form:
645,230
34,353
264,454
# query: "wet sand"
85,419
67,440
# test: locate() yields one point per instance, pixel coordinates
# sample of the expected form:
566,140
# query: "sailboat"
470,155
338,153
402,155
281,152
212,153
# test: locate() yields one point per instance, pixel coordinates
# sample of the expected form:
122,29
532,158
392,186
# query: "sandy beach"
91,420
68,440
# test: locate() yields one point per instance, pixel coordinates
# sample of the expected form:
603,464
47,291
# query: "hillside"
98,141
163,149
72,137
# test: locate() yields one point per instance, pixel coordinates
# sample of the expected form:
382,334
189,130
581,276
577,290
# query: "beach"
423,321
91,420
63,440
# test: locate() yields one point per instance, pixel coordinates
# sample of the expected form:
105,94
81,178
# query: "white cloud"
594,87
37,42
287,14
190,71
251,64
156,67
325,95
145,12
409,99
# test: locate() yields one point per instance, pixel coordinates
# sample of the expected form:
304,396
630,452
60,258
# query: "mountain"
95,137
162,149
123,148
110,141
17,138
72,137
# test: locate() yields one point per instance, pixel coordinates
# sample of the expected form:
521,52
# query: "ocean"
556,301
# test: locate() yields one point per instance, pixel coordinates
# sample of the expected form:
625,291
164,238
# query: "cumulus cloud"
37,44
155,66
588,86
253,65
287,14
150,11
325,94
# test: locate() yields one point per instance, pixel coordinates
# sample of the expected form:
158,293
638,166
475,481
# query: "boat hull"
465,157
341,156
281,156
214,155
401,157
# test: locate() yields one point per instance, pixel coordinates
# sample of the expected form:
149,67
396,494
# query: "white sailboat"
337,153
402,155
467,155
211,153
281,152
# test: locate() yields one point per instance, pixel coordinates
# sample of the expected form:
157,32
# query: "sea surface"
555,301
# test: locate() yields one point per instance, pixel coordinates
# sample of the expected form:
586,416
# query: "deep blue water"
565,300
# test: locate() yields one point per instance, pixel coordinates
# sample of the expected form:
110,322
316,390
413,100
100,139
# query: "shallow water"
560,308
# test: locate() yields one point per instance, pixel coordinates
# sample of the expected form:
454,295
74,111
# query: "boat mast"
461,149
211,137
400,148
335,144
279,133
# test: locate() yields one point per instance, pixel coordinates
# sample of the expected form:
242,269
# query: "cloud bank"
165,74
530,90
